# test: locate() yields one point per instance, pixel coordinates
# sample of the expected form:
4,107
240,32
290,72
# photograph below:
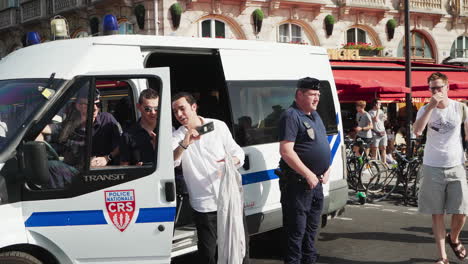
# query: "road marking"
343,218
375,205
368,207
409,213
413,209
390,210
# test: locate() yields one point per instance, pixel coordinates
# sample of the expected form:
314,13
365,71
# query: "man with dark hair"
71,133
139,141
202,158
379,135
305,161
443,188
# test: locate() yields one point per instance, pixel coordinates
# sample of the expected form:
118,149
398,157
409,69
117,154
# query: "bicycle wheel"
386,186
414,176
371,175
353,166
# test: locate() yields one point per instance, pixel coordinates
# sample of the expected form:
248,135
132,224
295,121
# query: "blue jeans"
302,209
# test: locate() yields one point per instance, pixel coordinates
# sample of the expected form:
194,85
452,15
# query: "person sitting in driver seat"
71,134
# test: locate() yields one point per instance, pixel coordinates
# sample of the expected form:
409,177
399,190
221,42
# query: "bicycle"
404,173
361,169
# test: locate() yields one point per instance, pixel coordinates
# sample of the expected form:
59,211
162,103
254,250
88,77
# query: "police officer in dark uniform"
305,162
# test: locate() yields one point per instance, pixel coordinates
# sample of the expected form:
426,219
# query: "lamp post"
409,101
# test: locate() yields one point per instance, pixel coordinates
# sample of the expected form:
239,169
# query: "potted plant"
391,25
329,21
365,49
140,16
176,12
257,17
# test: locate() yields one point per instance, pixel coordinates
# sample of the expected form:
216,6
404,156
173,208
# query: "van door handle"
169,190
246,165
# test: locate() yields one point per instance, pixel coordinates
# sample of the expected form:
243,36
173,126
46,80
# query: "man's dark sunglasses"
149,109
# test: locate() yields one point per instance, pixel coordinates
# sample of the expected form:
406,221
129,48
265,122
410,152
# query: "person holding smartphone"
200,145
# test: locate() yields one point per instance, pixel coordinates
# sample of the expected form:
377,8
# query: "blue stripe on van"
154,215
96,217
66,218
258,176
334,149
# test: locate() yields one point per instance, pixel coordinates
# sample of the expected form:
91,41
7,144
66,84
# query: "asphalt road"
364,234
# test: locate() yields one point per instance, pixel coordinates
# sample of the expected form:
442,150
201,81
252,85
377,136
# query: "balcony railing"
31,10
7,18
426,4
365,3
64,5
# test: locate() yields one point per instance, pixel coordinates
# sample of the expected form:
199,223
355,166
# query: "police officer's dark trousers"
302,209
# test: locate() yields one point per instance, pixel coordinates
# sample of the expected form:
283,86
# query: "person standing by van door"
305,162
443,188
139,141
201,157
379,139
364,125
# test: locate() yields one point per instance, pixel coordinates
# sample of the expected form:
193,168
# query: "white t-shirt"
444,143
379,125
201,170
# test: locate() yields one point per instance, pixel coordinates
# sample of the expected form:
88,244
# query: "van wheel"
18,257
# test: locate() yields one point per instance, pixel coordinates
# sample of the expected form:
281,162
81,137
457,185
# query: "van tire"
18,257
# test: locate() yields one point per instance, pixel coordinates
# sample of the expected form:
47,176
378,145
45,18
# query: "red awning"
358,80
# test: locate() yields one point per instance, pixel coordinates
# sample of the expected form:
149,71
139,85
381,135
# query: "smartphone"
208,127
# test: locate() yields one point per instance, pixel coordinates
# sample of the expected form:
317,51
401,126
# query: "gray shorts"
379,141
443,190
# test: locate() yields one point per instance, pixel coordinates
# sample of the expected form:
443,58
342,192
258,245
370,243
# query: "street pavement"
365,234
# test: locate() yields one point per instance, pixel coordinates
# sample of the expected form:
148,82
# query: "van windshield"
20,99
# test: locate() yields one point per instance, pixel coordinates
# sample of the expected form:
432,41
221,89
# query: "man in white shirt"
202,158
444,188
379,135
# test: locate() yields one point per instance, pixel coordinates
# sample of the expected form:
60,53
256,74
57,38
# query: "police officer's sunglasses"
149,109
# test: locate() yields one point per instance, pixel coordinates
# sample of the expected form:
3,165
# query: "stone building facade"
439,27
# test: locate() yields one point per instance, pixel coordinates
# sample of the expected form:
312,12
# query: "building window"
125,27
420,46
212,28
291,33
460,47
356,35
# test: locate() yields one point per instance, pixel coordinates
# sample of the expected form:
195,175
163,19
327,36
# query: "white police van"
131,214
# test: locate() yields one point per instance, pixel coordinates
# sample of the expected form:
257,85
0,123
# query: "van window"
87,161
258,105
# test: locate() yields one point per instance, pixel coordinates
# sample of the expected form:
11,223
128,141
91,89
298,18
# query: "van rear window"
258,105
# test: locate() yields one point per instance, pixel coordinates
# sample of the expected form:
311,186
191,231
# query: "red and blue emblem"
120,207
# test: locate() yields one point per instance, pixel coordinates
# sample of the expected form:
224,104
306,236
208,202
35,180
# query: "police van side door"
114,213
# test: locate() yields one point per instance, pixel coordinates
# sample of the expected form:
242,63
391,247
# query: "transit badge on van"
120,207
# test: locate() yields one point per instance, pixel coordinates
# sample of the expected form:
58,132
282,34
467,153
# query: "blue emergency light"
110,25
32,38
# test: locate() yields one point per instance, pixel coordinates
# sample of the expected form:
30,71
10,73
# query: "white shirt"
444,143
200,165
379,125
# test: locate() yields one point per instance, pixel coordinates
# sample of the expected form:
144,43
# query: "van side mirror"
36,166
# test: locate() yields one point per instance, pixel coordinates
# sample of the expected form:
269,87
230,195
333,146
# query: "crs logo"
120,207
